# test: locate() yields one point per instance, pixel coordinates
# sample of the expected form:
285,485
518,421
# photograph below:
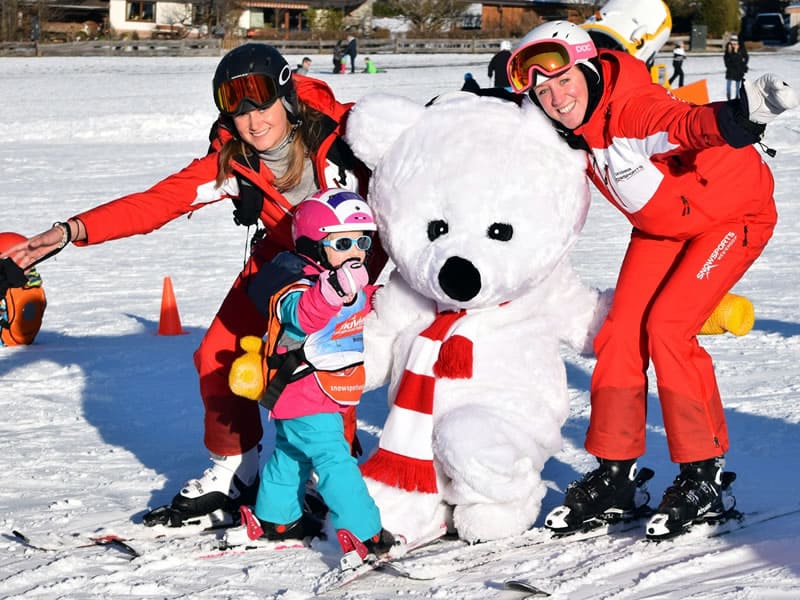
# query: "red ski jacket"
663,162
195,186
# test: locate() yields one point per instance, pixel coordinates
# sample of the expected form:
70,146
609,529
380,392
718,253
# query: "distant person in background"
36,29
352,52
735,66
470,85
678,56
497,66
304,66
338,56
369,66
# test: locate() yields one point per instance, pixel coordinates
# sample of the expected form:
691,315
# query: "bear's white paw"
411,514
484,522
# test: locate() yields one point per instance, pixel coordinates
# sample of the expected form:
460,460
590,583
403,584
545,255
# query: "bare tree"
683,8
8,20
217,13
430,16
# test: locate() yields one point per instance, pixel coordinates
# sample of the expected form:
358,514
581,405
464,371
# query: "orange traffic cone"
170,321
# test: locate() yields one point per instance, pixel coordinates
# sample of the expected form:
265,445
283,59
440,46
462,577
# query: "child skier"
312,372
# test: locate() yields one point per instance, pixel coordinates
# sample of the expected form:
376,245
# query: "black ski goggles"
257,89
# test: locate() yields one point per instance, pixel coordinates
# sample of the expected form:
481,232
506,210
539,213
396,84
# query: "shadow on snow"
141,394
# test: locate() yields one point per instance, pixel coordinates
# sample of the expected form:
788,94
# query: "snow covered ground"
101,418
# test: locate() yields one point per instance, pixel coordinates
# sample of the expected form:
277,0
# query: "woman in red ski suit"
251,80
700,200
702,212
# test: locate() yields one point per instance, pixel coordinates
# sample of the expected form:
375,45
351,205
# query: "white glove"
767,97
341,286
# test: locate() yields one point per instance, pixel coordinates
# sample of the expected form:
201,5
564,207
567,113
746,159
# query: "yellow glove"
246,377
734,314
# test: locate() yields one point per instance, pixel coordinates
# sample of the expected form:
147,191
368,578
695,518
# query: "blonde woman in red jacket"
700,200
277,141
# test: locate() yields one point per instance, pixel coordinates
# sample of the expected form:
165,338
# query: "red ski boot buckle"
251,522
354,550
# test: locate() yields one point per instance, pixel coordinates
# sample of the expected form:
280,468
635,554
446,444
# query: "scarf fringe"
395,470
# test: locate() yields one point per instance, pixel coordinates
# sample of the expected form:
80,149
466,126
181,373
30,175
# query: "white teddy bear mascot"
478,203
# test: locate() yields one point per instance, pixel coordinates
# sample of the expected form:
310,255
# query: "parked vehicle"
770,28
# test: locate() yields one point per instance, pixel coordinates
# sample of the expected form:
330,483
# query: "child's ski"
526,587
109,541
338,577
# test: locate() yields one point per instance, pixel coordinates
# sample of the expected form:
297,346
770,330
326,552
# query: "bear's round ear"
376,121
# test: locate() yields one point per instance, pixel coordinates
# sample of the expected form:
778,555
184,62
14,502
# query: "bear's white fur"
513,197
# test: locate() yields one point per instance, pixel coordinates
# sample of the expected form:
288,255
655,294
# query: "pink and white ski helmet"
329,211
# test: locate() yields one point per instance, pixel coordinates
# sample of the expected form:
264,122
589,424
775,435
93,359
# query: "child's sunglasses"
343,244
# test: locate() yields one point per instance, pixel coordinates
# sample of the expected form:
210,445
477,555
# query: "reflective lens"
548,58
343,244
257,88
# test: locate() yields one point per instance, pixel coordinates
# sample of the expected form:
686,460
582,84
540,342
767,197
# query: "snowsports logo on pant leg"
716,255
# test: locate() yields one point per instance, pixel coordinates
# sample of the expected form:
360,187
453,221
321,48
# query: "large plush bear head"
477,198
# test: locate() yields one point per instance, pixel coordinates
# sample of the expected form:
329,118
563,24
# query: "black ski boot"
253,529
307,526
195,501
700,492
313,502
213,500
612,492
380,543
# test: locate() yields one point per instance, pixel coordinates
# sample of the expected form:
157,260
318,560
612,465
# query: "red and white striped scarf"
405,453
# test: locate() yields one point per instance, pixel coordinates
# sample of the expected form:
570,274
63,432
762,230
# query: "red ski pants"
666,290
232,423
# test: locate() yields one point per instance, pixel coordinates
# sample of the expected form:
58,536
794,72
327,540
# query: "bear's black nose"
460,279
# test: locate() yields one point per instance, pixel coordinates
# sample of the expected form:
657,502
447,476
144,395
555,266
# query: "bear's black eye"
437,229
501,232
